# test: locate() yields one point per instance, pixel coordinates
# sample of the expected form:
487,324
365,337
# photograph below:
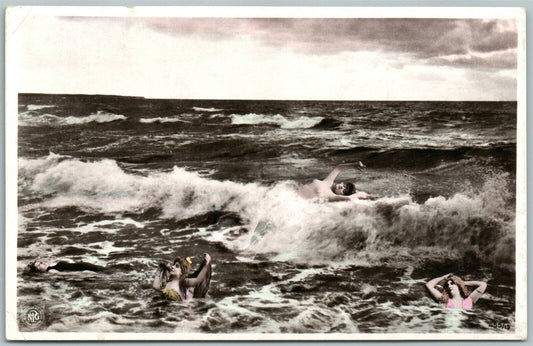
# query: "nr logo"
33,316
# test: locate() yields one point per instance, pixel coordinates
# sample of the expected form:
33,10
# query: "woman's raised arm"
478,292
330,179
193,282
159,277
431,286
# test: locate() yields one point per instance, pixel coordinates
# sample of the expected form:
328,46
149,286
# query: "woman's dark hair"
350,189
31,268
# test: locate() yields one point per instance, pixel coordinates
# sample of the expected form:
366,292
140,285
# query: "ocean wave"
98,117
162,120
32,119
211,109
476,227
427,158
279,120
31,167
275,220
37,107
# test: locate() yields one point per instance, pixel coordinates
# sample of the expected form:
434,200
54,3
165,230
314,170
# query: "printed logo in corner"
32,316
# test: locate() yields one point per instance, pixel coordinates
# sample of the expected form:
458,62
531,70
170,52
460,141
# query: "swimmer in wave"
454,293
175,283
331,191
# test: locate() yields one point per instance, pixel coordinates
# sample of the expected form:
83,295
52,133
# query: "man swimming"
331,191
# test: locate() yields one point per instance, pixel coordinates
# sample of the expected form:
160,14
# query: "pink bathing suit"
466,305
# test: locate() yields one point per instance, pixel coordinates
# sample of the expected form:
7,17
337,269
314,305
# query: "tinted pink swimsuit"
466,305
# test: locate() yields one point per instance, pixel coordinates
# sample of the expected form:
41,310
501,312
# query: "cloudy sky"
268,58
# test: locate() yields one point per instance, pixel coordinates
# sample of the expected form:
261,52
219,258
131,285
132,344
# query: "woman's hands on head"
207,257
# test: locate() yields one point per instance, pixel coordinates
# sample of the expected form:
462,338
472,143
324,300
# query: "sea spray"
302,230
277,119
31,118
310,270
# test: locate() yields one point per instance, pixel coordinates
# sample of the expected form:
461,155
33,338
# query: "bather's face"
453,288
40,266
175,270
339,189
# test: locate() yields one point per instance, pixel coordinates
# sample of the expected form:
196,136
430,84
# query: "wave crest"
279,120
479,224
162,120
31,119
202,109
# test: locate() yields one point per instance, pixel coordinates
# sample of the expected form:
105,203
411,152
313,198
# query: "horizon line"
258,99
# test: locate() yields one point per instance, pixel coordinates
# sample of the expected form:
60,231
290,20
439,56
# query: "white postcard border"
14,16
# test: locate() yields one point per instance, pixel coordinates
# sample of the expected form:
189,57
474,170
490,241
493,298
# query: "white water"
280,120
300,230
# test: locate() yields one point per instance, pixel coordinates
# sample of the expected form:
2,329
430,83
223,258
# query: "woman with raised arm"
174,283
333,192
455,294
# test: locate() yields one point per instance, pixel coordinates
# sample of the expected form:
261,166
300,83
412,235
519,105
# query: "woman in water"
62,266
455,294
328,190
175,284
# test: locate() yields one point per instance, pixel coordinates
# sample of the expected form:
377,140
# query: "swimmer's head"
38,266
182,263
454,286
345,189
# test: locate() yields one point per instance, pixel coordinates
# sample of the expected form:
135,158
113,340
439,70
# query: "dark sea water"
127,183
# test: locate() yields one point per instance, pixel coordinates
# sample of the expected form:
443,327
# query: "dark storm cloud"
425,40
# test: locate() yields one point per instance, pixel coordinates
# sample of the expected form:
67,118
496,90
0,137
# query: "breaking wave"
211,109
37,107
30,118
274,221
162,120
278,120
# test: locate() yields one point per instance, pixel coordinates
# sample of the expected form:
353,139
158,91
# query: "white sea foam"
310,314
280,120
296,229
37,107
108,225
412,138
31,167
30,119
98,117
175,119
299,162
211,109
